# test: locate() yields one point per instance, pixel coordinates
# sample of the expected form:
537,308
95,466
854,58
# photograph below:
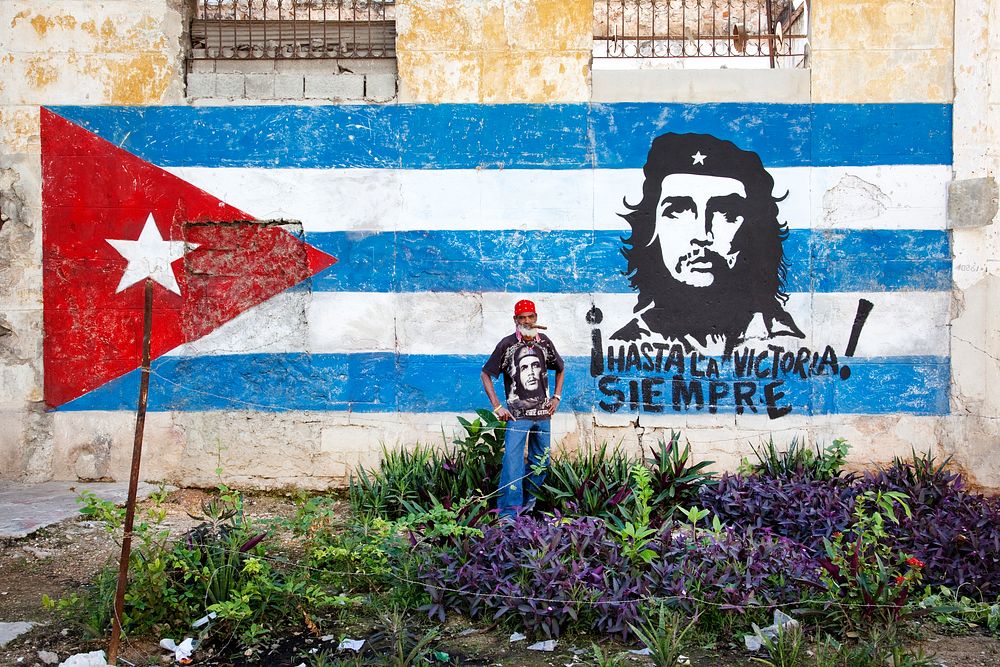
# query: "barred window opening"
293,29
771,32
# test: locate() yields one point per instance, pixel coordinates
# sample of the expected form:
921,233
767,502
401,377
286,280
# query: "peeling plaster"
853,199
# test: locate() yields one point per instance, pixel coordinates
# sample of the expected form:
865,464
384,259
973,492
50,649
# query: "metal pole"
770,32
133,482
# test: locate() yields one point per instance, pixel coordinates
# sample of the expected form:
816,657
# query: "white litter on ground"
547,645
351,645
92,659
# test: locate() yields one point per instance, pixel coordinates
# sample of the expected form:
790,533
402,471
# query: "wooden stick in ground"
133,482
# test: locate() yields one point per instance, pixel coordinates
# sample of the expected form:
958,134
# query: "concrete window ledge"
263,86
691,86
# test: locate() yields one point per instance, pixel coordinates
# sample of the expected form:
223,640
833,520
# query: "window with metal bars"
773,32
292,29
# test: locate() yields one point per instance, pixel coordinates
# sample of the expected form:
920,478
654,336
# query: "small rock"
38,553
48,657
10,631
516,637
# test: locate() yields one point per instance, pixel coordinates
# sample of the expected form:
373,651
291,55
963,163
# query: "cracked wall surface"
492,53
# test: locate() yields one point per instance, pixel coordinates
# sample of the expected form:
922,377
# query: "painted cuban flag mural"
697,259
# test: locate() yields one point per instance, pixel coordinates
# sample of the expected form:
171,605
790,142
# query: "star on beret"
698,158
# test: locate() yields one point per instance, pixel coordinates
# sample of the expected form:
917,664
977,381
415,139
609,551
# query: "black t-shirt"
525,369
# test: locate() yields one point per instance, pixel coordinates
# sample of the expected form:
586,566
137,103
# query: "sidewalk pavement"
25,508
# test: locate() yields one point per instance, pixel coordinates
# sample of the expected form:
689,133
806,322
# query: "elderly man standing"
524,358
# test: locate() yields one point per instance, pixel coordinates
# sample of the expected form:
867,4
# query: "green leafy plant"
798,460
785,648
594,482
676,479
89,609
664,635
602,659
635,532
398,645
408,479
693,515
865,580
960,614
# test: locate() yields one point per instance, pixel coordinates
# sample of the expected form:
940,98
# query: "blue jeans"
512,479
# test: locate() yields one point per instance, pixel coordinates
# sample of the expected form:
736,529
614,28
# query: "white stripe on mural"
456,323
879,197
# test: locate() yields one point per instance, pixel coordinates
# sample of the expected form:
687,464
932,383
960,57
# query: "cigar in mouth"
539,326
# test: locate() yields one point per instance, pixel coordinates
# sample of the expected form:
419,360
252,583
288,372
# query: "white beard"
528,332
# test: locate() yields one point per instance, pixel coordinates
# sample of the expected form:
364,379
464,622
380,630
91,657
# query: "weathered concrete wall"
974,429
72,52
281,423
494,52
878,51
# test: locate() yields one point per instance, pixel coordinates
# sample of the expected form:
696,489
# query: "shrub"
223,565
798,460
867,579
802,509
407,480
594,483
676,481
560,573
956,533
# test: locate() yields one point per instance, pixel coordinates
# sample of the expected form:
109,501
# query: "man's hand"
503,414
554,405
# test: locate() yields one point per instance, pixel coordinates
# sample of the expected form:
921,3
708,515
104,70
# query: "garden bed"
621,552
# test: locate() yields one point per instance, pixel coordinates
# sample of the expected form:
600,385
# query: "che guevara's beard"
699,254
676,309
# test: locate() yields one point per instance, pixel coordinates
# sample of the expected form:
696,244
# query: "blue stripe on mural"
464,136
384,382
579,261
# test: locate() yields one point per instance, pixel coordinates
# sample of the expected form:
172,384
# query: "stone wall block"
230,85
380,87
260,85
201,84
288,86
335,87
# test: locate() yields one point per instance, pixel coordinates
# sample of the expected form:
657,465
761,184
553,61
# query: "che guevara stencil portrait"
705,252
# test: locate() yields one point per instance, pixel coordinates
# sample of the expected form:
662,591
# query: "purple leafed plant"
954,532
802,509
554,573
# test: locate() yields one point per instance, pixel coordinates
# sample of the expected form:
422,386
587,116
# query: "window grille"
293,29
766,29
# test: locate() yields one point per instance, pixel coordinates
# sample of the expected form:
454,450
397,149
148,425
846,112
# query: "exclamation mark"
594,317
864,307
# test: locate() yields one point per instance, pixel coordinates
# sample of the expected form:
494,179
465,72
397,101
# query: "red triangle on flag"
93,194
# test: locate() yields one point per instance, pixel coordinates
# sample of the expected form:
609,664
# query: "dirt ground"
62,558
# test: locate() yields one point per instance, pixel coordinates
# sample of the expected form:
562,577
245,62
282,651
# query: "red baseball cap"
523,306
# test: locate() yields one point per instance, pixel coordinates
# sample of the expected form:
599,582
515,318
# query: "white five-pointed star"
150,256
698,158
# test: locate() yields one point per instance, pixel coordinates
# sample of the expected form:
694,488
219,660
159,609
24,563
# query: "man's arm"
498,408
556,399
